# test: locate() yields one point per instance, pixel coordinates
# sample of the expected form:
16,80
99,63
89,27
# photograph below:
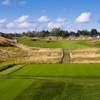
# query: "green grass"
58,89
55,82
11,70
62,90
56,44
10,88
61,70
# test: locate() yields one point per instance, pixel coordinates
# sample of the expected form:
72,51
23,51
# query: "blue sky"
25,15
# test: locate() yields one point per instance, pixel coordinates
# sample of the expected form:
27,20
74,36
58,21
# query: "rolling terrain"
56,70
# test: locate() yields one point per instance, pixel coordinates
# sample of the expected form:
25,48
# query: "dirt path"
66,57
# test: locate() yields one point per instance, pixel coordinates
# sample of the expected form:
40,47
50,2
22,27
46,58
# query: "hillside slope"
19,53
7,42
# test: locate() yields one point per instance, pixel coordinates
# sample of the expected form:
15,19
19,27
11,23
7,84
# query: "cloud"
22,19
58,23
52,25
12,2
6,2
21,23
84,17
61,20
11,25
43,19
25,23
2,23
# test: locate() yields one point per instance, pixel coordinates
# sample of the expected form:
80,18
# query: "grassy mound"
6,42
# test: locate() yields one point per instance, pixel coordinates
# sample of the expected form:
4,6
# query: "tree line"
54,32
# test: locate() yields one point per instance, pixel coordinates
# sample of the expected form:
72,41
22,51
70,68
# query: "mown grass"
71,44
62,90
10,88
60,70
56,82
10,70
50,89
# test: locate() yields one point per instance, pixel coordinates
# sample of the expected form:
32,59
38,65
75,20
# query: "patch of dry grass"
7,42
30,55
89,55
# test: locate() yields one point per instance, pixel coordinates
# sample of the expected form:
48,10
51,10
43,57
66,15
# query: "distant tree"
86,33
72,33
66,34
40,34
83,32
62,33
56,32
94,32
29,33
46,33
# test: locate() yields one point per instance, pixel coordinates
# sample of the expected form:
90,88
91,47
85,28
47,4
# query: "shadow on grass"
53,90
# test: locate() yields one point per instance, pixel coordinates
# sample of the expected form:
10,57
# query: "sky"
29,15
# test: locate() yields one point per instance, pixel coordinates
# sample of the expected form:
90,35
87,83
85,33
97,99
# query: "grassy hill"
7,42
29,51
